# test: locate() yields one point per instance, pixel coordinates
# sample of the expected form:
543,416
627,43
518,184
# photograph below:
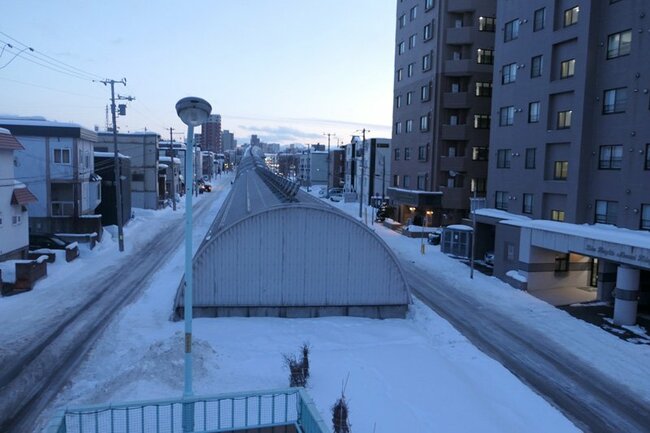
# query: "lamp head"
193,111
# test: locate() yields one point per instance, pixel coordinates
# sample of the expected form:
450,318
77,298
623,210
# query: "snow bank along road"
36,370
594,404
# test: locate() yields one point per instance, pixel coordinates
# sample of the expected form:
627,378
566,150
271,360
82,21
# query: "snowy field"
415,375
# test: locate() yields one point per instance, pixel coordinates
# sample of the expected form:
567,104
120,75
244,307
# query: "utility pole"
472,209
363,163
173,154
116,162
328,162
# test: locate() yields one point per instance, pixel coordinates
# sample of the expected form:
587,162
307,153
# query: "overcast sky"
287,70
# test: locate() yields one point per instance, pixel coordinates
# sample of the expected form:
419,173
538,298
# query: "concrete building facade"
228,141
211,134
569,143
444,54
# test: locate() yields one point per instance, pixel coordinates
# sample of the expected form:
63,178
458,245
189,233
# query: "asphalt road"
31,380
592,403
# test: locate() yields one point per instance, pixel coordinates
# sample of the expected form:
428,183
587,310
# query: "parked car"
434,237
204,186
46,240
488,258
336,194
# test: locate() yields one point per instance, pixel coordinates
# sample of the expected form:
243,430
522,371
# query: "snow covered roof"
416,191
460,227
109,155
8,141
169,158
500,214
601,232
36,121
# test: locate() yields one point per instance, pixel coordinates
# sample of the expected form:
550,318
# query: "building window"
414,13
610,157
571,16
398,128
511,30
422,180
477,184
503,158
15,219
407,154
614,100
501,200
481,121
562,263
486,24
536,64
479,153
396,152
528,204
645,217
398,101
409,126
564,119
407,181
399,74
401,48
509,73
426,62
425,92
485,56
619,44
568,68
557,215
606,212
539,20
483,88
402,21
409,69
647,157
422,153
409,98
427,32
412,39
560,170
424,123
62,156
396,180
530,158
507,116
428,4
533,112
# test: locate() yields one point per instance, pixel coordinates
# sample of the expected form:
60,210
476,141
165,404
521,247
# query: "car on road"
204,186
336,194
488,258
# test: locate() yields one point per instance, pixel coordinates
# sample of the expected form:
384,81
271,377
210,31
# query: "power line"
66,65
25,83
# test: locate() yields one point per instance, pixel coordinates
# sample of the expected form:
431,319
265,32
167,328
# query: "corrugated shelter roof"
274,250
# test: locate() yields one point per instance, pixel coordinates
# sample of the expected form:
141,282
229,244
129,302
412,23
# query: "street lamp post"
329,135
192,111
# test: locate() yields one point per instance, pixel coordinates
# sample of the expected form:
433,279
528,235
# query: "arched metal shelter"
274,250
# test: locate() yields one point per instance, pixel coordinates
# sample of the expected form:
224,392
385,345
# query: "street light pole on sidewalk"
192,111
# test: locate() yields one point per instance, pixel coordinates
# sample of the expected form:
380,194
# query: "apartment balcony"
461,6
455,100
454,198
454,132
453,163
459,35
459,67
291,410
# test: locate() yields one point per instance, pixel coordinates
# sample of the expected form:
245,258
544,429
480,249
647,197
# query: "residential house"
142,148
14,197
57,166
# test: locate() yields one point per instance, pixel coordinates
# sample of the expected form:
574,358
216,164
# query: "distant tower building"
198,140
211,134
255,141
228,141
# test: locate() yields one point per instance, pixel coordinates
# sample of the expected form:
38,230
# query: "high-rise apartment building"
570,149
441,114
228,141
211,134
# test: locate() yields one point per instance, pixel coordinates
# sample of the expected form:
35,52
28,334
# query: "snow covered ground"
415,375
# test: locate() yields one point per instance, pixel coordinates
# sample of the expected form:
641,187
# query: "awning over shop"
416,198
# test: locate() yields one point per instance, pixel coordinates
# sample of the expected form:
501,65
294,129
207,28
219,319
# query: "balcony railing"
236,412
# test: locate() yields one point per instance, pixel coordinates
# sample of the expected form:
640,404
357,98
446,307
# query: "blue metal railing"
218,413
